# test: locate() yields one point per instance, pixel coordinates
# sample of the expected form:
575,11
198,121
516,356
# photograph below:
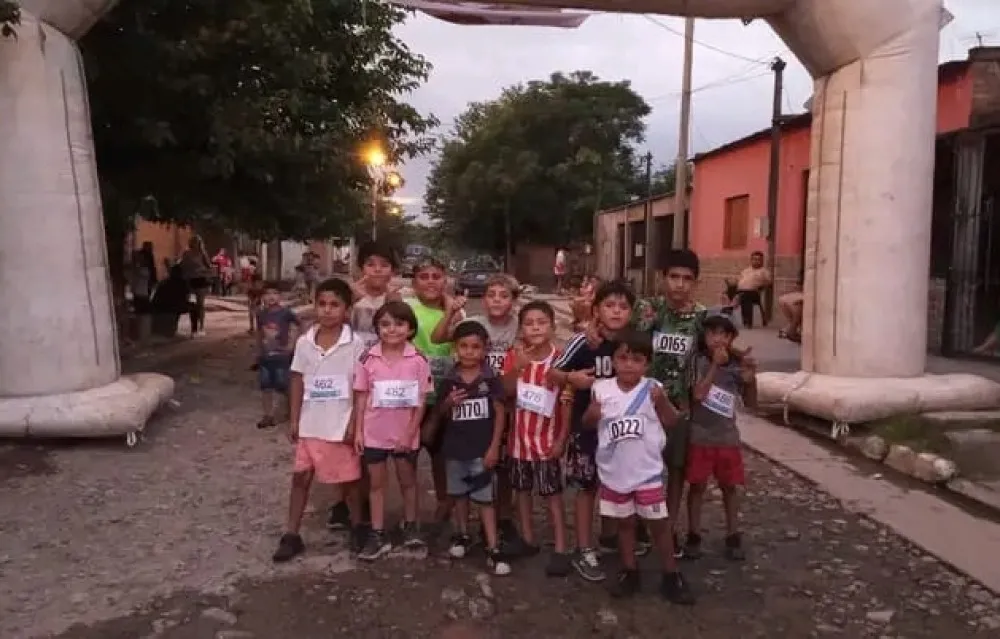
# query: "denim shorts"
382,455
470,479
273,375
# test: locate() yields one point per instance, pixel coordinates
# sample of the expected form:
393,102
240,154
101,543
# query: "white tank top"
629,447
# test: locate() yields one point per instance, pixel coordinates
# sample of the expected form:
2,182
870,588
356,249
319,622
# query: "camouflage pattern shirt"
675,338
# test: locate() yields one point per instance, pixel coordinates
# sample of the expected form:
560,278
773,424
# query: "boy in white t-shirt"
322,412
630,412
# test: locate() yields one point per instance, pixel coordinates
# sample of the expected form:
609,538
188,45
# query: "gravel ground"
172,540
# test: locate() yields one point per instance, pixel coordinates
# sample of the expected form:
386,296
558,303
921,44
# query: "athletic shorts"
273,375
469,478
724,463
648,501
581,469
331,462
542,477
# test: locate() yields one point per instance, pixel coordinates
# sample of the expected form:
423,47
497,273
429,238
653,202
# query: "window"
637,238
736,222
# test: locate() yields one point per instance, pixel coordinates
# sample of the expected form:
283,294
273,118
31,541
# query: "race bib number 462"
622,428
471,409
671,343
328,387
396,394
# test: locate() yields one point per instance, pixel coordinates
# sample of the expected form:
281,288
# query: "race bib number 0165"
623,428
720,402
671,343
536,399
470,409
396,394
328,387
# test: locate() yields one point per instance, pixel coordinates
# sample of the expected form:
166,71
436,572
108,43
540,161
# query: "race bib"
720,402
396,393
622,428
471,409
328,387
671,343
439,366
495,360
536,399
192,298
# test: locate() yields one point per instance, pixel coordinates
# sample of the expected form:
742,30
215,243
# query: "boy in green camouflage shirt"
674,320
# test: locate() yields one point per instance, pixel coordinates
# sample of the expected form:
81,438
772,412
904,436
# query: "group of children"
649,388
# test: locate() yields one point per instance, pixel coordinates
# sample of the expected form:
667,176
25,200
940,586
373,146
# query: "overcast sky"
732,91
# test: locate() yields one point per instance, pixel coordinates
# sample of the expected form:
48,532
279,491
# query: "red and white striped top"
533,434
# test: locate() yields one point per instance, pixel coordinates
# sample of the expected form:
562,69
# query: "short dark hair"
635,342
682,258
536,305
757,254
373,248
506,281
338,287
428,261
470,329
397,310
614,287
717,322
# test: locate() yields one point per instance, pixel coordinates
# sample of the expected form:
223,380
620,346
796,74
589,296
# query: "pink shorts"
332,462
647,501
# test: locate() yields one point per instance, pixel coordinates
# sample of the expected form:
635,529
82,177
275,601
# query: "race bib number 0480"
622,428
671,343
471,409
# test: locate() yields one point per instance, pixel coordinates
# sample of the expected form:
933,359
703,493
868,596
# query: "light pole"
375,158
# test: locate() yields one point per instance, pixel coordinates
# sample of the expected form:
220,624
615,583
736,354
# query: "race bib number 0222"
622,428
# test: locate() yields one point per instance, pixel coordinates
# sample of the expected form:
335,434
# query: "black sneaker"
678,547
626,585
692,546
527,550
359,535
375,546
588,563
411,535
496,562
643,544
340,517
560,564
459,546
608,544
265,422
289,546
734,547
510,538
675,589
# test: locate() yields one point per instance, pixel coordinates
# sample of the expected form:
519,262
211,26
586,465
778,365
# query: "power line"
711,47
734,79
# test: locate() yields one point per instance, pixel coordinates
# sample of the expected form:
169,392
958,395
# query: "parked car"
472,278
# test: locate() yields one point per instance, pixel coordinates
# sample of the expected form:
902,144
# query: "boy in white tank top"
631,412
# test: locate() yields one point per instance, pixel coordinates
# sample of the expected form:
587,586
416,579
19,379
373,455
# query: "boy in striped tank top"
538,436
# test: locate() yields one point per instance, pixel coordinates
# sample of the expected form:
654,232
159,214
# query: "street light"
375,159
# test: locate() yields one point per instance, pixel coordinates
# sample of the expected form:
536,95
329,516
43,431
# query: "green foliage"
543,157
10,15
250,115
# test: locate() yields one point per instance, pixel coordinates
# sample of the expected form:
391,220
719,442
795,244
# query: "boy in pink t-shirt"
391,383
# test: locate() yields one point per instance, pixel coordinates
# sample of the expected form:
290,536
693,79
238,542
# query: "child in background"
321,423
630,413
255,292
274,347
430,306
540,429
723,377
391,385
471,416
578,366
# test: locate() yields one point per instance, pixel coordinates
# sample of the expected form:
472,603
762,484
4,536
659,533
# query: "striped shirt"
578,356
533,434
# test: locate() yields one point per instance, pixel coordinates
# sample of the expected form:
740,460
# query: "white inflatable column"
57,333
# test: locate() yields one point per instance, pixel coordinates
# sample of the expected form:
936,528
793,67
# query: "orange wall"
744,171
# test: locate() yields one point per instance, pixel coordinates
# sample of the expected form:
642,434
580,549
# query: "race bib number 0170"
396,394
623,428
720,402
536,399
328,387
671,343
470,409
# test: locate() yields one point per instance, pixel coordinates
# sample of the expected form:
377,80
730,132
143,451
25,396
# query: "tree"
248,114
10,15
536,163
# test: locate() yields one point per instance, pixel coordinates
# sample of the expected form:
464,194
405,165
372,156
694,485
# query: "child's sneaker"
340,517
626,585
692,546
411,535
560,563
459,546
496,562
678,547
289,546
510,538
359,535
375,546
588,564
734,547
608,544
643,544
675,589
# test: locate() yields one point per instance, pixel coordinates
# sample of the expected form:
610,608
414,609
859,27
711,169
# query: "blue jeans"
469,479
273,375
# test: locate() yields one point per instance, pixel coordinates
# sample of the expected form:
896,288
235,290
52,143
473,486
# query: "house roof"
653,198
946,71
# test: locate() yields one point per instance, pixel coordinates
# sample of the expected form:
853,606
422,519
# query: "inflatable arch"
868,221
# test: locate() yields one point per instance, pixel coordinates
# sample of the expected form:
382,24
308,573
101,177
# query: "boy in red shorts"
724,378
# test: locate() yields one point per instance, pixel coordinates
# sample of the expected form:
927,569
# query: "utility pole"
649,272
375,185
774,178
681,166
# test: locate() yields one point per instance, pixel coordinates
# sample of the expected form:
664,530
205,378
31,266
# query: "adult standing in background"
753,279
197,271
559,269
